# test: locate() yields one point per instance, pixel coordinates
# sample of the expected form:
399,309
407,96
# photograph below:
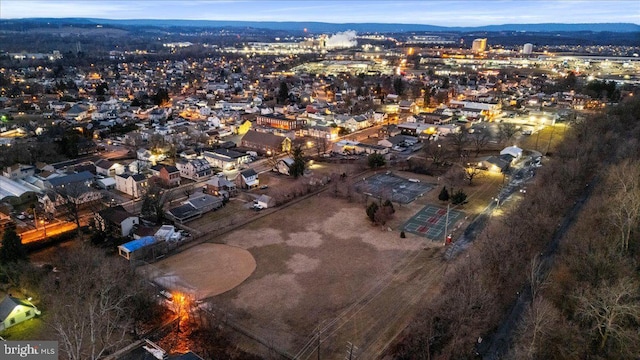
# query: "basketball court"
392,187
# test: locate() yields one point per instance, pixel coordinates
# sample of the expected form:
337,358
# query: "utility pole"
446,226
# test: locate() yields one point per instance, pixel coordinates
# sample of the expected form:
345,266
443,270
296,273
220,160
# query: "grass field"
321,264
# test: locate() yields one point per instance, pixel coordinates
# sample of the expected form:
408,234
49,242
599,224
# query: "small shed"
129,249
514,151
265,201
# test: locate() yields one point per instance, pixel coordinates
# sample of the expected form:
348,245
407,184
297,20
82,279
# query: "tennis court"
392,187
430,222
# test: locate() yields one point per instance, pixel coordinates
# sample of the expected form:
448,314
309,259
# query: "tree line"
588,305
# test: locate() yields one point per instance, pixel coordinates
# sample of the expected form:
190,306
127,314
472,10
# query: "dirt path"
381,313
495,346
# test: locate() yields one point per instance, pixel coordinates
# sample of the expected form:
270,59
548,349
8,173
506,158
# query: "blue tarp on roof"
138,244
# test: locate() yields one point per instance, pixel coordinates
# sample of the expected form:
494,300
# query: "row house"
169,176
321,132
134,185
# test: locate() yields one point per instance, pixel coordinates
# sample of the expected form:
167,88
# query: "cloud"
438,12
344,39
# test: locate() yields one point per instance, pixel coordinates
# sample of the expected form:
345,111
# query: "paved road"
51,230
518,177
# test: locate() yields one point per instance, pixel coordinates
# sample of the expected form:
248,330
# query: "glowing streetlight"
44,225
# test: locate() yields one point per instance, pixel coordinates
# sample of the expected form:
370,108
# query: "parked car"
257,207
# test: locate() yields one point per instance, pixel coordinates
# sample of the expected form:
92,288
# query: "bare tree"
435,152
70,197
480,138
472,171
273,160
90,304
506,132
188,190
460,140
321,144
624,181
611,311
538,323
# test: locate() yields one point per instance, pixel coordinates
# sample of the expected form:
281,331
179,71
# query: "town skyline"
438,13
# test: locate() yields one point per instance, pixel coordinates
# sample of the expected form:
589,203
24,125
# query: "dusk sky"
444,13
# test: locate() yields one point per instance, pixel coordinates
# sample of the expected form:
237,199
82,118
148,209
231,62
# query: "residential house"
73,189
116,220
18,171
168,175
13,311
205,202
322,132
158,114
225,159
194,169
183,213
133,185
266,142
284,166
406,105
109,168
249,179
357,122
188,154
220,186
77,112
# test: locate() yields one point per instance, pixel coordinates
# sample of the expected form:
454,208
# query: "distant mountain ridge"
316,27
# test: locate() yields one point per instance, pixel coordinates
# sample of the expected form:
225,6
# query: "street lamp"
44,224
